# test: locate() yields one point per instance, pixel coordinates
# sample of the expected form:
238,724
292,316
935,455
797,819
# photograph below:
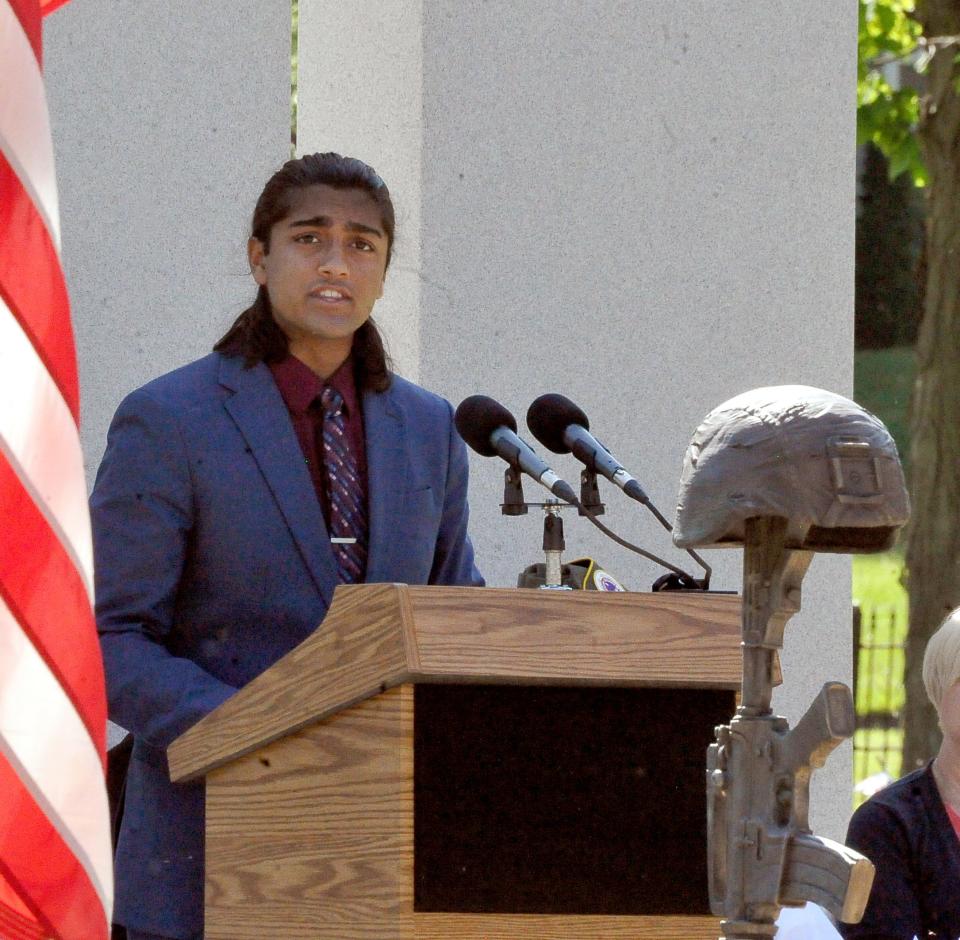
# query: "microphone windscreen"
477,417
549,416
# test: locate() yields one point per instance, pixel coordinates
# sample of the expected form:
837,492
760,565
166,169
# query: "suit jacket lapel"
386,477
259,412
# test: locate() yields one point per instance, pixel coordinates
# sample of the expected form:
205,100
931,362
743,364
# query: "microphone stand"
589,494
553,546
513,503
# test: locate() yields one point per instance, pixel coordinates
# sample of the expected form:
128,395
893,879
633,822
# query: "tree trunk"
933,543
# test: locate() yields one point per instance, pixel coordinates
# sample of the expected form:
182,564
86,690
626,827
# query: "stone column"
648,207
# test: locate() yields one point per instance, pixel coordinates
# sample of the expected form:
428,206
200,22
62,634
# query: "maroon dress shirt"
300,387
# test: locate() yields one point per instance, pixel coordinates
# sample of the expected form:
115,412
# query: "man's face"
324,269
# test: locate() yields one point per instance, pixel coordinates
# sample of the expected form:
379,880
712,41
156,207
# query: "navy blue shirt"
906,832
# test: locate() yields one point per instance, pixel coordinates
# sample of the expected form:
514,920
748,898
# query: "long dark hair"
255,334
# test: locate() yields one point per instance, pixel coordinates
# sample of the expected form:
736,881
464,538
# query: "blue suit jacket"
213,561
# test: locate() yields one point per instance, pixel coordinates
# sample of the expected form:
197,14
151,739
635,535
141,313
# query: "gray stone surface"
645,206
361,95
167,118
648,207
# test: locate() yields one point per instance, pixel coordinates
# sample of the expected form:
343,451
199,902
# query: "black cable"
707,570
629,545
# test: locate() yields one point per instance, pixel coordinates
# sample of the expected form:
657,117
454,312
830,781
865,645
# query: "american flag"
55,857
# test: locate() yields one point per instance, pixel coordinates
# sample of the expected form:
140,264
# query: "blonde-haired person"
911,829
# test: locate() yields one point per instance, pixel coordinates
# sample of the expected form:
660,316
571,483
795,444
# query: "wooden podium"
471,764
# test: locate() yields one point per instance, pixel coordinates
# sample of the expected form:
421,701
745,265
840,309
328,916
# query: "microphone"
561,426
492,431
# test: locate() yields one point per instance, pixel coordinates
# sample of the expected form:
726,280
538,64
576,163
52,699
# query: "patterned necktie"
348,515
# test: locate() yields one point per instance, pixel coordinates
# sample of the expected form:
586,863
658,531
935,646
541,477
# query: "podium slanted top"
377,636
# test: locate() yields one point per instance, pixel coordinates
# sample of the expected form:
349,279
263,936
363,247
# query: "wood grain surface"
378,636
542,927
314,833
358,650
586,637
421,926
312,837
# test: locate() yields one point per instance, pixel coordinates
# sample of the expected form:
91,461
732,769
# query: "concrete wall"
166,121
646,206
167,118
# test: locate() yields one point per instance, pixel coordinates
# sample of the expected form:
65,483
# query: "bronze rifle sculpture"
786,472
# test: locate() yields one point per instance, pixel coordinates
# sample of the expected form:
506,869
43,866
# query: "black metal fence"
878,684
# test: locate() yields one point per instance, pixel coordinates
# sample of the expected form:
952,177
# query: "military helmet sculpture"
783,471
813,457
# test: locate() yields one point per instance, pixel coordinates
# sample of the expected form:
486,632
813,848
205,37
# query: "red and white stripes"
55,857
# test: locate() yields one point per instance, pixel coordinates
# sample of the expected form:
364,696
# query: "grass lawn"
883,379
876,582
878,592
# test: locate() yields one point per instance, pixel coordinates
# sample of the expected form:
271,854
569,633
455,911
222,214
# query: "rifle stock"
829,874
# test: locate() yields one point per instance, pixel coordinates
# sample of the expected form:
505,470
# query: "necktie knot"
331,401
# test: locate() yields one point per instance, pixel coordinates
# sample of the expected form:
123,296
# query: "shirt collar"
300,385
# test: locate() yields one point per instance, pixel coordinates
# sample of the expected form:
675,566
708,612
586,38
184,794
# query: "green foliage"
879,593
888,117
886,31
889,295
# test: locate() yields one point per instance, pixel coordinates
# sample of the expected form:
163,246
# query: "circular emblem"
606,582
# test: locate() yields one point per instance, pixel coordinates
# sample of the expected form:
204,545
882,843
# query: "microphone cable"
686,580
707,570
563,427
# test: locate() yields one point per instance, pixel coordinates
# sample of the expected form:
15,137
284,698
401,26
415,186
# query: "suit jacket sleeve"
453,562
142,515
